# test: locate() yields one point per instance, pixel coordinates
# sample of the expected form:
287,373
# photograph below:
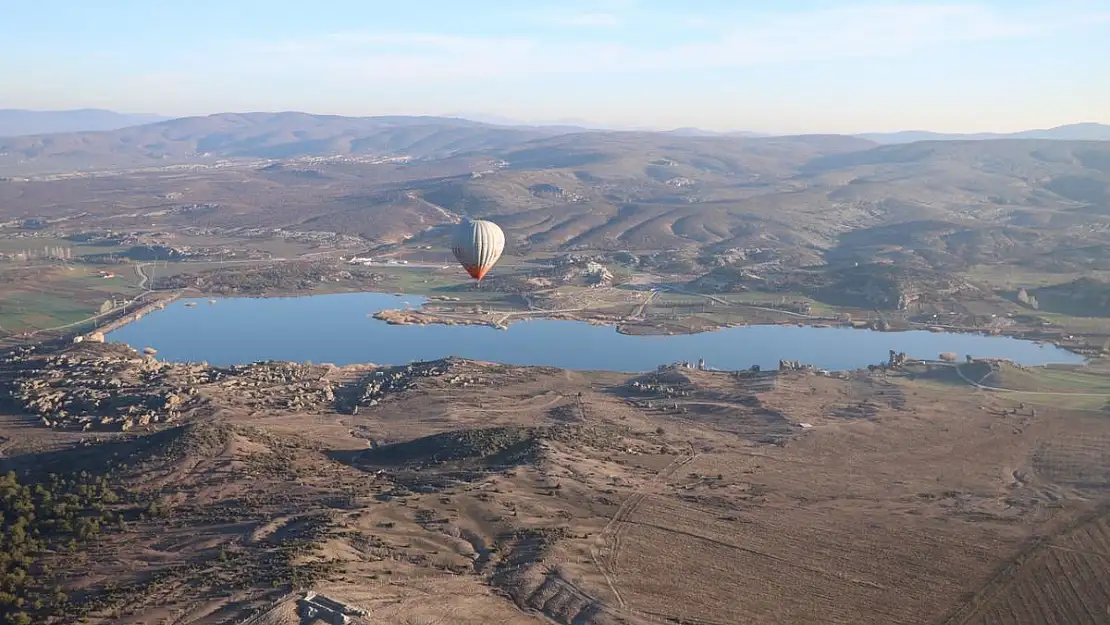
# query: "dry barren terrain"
458,491
146,492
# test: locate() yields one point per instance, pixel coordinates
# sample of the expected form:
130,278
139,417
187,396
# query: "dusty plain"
458,491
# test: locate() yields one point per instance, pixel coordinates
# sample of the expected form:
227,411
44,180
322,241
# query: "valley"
936,487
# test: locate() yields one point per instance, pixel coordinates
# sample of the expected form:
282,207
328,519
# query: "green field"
1078,381
1080,324
685,303
1059,387
1057,380
57,296
1013,277
1077,388
420,281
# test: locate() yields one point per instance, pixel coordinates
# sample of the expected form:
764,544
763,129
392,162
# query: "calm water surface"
338,329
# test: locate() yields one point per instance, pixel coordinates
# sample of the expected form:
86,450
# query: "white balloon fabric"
478,245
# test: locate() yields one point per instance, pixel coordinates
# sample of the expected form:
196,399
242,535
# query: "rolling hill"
253,136
766,205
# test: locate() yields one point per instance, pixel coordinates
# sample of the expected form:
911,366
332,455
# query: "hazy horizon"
803,66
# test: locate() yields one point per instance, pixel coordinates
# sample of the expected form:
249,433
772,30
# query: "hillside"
1084,297
525,495
767,205
16,122
947,205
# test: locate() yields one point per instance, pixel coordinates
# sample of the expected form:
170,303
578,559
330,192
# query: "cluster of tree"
57,514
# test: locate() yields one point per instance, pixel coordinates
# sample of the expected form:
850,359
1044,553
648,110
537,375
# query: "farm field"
45,297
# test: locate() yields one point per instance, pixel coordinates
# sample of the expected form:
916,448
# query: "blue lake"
338,329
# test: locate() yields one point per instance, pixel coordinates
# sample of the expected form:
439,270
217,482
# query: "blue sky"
782,66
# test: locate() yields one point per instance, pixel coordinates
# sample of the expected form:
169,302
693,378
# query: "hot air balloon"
477,245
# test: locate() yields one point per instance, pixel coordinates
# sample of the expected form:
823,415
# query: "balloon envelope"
477,245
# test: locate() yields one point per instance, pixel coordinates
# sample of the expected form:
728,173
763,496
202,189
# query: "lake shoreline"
335,329
631,327
643,328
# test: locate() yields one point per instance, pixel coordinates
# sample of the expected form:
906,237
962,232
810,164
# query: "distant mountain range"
1087,131
1069,132
256,136
262,135
16,122
22,122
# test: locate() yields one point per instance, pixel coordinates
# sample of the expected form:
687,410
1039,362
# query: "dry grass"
902,503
